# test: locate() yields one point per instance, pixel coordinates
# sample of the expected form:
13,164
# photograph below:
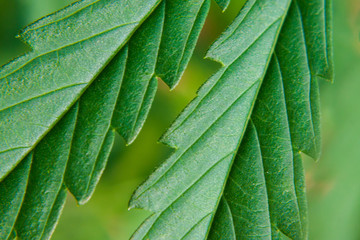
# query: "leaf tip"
212,58
223,4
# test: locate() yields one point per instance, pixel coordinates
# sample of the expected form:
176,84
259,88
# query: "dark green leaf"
185,191
258,190
93,69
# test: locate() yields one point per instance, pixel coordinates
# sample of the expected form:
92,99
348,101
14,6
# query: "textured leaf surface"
184,192
212,188
12,194
87,76
92,70
63,63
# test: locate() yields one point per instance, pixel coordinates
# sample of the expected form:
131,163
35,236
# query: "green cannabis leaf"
237,171
93,69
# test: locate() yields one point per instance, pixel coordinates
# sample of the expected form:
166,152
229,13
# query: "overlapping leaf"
92,70
212,188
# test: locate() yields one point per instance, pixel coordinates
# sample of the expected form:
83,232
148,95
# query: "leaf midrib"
80,94
198,139
42,95
188,189
282,18
226,68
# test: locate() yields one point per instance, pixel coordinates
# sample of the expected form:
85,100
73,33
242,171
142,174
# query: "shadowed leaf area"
237,171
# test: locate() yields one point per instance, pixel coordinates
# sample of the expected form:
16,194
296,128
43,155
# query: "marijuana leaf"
212,188
92,70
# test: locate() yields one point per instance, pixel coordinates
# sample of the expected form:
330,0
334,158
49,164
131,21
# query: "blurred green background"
333,183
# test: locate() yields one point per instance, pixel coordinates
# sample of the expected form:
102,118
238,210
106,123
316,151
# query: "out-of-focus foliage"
92,70
333,183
